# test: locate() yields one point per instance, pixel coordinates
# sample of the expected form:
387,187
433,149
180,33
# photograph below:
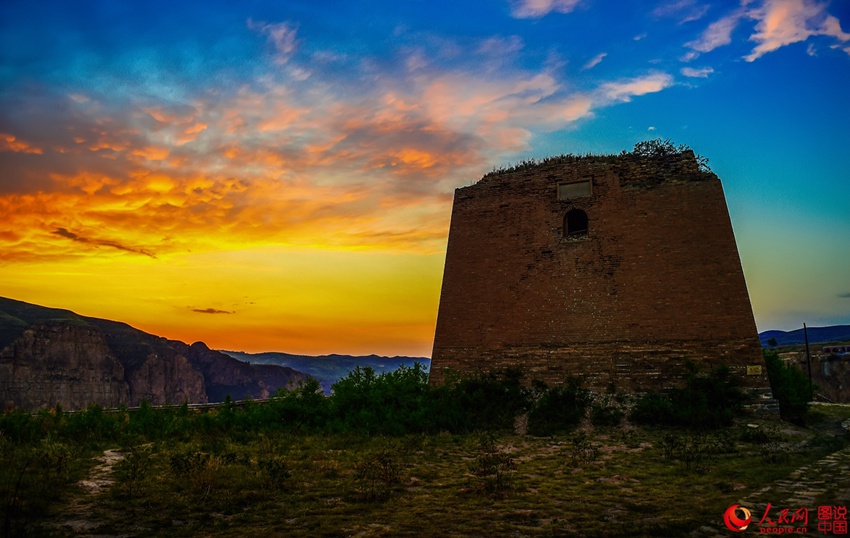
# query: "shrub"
582,451
757,436
652,408
189,463
493,468
133,469
483,402
53,458
665,148
274,472
377,476
558,409
148,422
605,413
706,402
91,425
790,387
392,403
19,427
304,408
32,477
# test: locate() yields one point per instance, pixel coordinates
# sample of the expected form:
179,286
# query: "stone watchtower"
615,269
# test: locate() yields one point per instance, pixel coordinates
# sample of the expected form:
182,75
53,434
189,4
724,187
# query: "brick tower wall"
655,281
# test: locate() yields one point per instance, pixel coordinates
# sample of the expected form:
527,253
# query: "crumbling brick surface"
656,279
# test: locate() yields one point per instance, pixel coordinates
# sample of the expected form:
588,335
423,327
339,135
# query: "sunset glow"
280,176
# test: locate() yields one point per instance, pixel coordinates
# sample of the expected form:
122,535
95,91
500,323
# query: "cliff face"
50,357
58,363
225,375
167,379
155,371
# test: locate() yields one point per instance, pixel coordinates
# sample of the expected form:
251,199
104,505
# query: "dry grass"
623,483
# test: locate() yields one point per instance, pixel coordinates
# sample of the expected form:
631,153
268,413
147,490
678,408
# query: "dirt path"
826,481
77,517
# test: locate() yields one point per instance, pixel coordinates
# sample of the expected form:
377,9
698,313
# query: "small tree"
666,148
790,387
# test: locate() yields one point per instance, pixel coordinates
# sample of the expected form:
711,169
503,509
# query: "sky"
278,176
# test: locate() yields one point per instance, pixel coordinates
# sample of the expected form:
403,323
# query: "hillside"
52,356
817,335
328,369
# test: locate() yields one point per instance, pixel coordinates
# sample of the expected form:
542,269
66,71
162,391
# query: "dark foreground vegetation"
386,455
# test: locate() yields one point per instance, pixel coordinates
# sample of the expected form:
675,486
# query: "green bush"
91,425
606,413
652,408
558,409
481,402
302,409
391,403
32,477
707,401
790,387
19,427
146,421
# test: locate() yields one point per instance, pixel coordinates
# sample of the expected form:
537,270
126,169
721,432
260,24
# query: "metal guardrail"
196,406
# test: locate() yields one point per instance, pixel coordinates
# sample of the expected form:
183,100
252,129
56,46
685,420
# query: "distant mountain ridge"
328,369
51,356
817,335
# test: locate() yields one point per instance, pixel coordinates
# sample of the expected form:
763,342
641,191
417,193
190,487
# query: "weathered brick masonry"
655,279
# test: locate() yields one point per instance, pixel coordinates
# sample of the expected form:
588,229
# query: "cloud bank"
314,148
778,23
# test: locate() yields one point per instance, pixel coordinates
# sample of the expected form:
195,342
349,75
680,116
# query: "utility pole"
809,362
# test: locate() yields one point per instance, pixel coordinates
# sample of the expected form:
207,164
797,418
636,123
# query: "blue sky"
250,142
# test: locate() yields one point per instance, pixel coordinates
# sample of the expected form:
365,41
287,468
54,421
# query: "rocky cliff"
224,375
50,356
59,363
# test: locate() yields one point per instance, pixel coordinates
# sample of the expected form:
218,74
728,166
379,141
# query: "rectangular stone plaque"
580,189
754,370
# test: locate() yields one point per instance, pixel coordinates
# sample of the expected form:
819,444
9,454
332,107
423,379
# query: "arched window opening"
575,223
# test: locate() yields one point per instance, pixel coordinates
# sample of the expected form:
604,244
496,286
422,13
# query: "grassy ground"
623,481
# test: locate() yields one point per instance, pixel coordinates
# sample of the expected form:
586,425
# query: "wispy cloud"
533,9
684,10
845,295
783,22
779,23
211,311
281,35
500,45
62,232
623,91
717,34
593,62
697,73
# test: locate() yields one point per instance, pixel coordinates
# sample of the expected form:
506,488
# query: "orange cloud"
11,143
283,161
151,153
783,22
